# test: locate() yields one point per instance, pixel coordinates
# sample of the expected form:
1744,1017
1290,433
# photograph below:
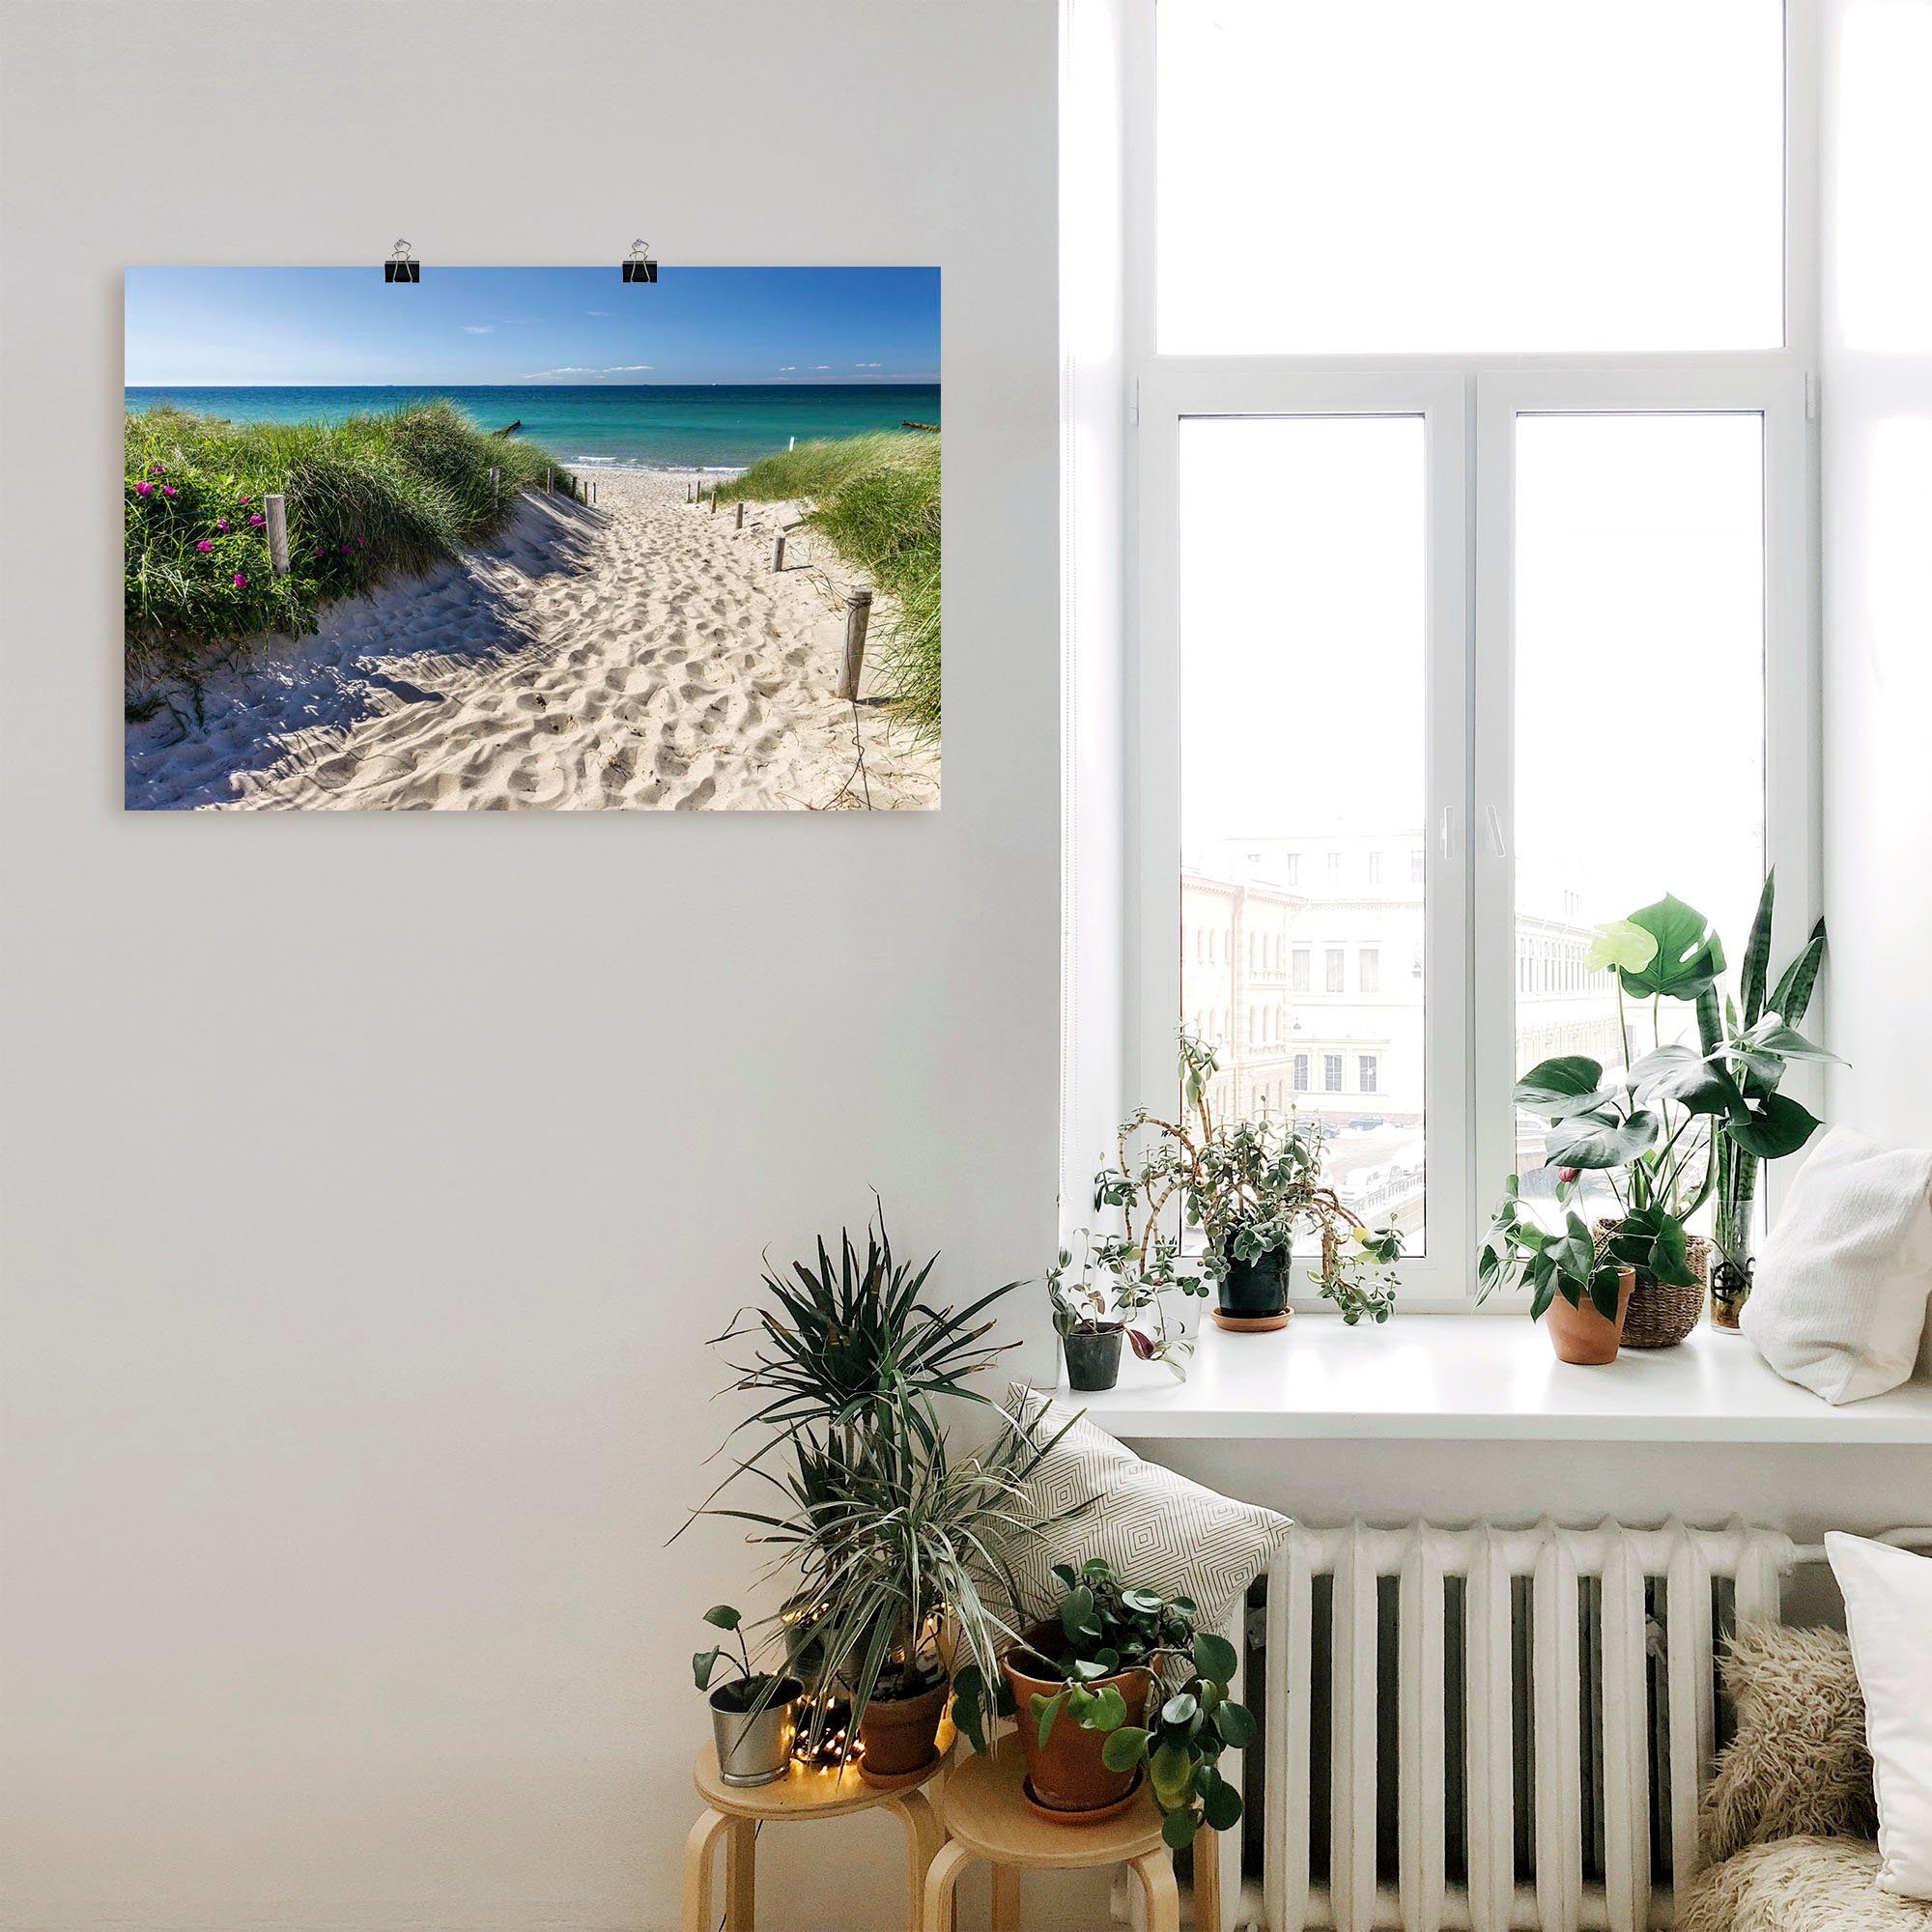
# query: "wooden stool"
987,1818
735,1813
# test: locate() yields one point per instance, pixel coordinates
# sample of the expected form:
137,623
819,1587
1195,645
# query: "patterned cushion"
1156,1528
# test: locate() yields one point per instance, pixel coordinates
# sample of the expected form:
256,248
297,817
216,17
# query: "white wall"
373,1183
1876,415
1876,423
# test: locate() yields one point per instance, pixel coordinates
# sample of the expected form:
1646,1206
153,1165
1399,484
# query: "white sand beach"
642,654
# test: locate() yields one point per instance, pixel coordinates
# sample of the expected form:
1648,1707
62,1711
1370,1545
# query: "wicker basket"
1661,1317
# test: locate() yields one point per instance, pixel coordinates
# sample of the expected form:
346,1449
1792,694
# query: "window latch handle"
1446,836
1492,822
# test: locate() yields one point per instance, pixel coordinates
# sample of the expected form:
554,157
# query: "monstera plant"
1687,1121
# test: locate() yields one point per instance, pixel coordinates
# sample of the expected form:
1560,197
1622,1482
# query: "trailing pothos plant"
1093,1296
1674,1125
1109,1626
1251,1186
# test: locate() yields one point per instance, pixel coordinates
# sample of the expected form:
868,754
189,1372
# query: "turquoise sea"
712,426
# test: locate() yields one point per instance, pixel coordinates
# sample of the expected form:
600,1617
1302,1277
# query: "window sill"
1459,1377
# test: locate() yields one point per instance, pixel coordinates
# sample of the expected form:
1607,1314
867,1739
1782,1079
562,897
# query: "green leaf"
1777,1126
1123,1747
1690,955
1559,1087
1170,1770
1606,1292
969,1705
724,1616
1757,952
703,1663
1221,1806
1792,994
1698,1084
1144,1601
1181,1710
1177,1829
1109,1712
1045,1710
1622,945
1236,1724
1214,1657
1601,1140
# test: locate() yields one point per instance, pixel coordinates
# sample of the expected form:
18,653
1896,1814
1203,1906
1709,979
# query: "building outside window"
1333,969
1331,1073
1365,1072
1369,970
1298,970
1301,1073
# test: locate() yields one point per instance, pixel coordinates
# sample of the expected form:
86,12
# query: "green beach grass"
876,500
367,498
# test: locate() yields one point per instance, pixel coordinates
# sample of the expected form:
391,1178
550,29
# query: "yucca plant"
896,1556
850,1347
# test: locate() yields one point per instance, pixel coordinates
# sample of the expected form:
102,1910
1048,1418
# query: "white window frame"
1468,404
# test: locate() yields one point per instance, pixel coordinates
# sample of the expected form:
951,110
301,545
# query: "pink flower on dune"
157,469
167,489
240,581
345,550
222,522
254,522
247,499
144,489
204,546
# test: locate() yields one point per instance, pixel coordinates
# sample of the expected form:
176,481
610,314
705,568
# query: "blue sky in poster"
492,325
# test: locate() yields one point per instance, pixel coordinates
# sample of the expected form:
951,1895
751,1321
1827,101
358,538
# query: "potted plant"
1755,1038
883,1536
1681,1123
1095,1309
753,1711
1583,1291
1095,1717
900,1573
1251,1186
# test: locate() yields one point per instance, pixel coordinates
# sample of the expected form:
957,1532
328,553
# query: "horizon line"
536,381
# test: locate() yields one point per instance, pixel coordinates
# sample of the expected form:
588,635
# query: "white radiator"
1576,1667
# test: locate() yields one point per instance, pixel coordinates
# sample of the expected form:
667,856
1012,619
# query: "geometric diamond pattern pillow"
1156,1528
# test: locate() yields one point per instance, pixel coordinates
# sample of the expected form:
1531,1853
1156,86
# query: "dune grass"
876,500
366,499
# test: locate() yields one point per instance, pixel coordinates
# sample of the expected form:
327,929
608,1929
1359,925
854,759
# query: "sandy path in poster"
642,654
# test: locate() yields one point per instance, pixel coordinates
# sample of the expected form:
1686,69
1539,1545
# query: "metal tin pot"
1255,1290
754,1746
1093,1359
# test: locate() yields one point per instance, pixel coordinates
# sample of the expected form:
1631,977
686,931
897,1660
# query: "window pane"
1639,705
1302,638
1489,175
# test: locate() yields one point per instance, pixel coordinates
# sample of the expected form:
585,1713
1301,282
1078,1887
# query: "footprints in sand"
659,664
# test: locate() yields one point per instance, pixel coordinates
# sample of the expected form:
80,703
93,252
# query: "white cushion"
1156,1527
1888,1618
1839,1296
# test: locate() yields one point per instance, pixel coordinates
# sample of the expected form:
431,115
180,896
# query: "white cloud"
821,365
626,368
476,328
597,311
788,369
869,365
616,369
537,375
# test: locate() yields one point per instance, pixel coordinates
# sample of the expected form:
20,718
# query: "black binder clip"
637,266
400,266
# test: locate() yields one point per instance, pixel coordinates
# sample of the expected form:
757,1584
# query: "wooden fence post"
779,551
549,481
858,615
714,500
496,483
277,512
741,513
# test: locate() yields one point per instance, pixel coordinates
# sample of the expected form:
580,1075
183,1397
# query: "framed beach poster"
513,538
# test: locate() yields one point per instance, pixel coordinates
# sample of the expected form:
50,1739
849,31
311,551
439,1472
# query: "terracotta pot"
900,1734
1065,1773
1581,1334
